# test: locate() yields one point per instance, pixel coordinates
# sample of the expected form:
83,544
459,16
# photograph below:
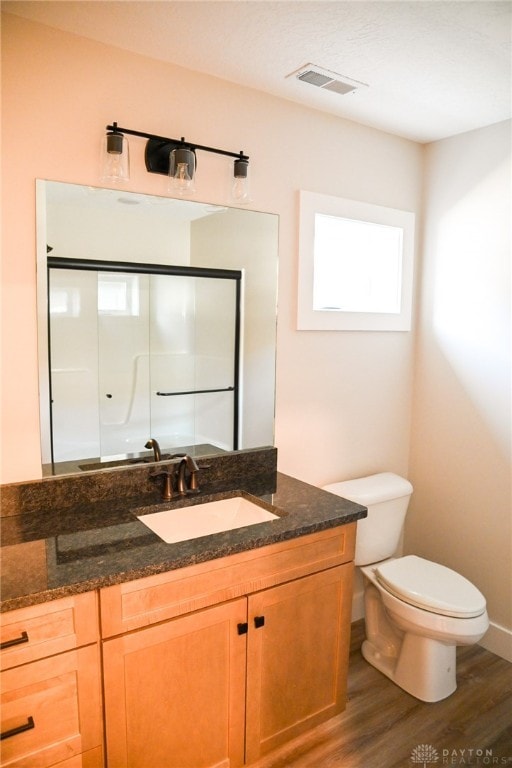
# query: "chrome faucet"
187,464
152,443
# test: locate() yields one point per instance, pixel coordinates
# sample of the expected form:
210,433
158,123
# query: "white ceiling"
433,68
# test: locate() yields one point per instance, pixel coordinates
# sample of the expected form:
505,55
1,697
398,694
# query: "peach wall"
461,453
343,399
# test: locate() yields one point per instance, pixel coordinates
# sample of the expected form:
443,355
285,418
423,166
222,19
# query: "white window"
118,294
355,265
64,301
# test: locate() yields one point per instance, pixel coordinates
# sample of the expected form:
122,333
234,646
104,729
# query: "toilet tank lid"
372,489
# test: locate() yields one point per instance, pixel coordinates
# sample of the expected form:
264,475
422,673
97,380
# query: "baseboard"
498,640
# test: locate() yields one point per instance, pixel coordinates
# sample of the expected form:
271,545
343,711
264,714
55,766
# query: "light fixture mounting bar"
158,148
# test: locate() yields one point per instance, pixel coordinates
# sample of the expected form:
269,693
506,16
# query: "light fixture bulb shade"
115,158
182,167
240,185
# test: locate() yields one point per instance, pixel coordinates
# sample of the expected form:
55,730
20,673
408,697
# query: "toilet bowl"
416,611
415,645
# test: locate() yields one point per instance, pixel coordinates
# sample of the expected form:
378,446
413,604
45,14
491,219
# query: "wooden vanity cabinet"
51,686
214,665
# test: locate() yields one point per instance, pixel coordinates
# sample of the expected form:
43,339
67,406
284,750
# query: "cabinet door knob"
243,628
259,621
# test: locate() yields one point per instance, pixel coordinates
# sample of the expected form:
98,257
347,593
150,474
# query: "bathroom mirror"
156,318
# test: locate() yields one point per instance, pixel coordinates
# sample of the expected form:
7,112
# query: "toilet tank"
386,496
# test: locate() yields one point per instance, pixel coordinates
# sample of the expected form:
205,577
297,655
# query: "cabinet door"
297,661
175,692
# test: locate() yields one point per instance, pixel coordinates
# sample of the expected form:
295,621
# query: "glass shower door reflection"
193,360
123,362
73,364
140,354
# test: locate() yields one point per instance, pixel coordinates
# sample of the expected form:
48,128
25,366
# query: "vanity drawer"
51,709
135,604
42,630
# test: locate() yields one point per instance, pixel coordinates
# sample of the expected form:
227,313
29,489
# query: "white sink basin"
185,523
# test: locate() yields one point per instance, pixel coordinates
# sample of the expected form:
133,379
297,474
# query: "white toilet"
416,611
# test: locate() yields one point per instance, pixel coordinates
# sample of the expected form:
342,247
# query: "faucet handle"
193,470
192,484
167,490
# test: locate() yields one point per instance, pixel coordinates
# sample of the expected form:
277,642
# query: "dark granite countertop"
46,556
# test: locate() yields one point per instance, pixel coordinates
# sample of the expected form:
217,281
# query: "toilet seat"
431,587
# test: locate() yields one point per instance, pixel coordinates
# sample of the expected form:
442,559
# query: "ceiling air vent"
324,78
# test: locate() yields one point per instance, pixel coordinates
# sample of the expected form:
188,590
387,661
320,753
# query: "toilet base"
415,649
424,667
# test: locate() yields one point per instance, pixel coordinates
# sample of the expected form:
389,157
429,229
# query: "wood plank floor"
382,724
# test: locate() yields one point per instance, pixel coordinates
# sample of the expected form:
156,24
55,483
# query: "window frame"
308,318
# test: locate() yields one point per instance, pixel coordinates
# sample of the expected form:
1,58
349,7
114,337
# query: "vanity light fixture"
240,188
115,157
175,158
182,170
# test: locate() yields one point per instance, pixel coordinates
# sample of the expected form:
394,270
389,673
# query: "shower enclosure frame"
95,265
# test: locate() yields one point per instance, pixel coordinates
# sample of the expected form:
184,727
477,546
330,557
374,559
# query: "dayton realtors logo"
425,755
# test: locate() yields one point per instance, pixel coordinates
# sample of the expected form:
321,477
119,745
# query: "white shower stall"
152,351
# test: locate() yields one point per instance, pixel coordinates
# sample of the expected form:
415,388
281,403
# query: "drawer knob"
20,729
23,638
